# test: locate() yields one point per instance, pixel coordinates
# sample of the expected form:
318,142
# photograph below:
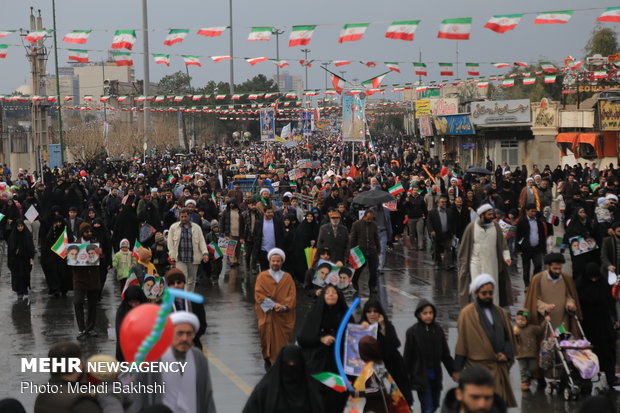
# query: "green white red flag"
352,32
78,55
548,67
124,39
445,69
508,83
3,50
337,83
374,82
77,37
260,34
503,22
554,17
212,31
280,63
501,65
220,58
521,64
35,36
301,35
402,30
131,280
162,59
175,36
134,251
393,66
253,60
5,33
331,380
339,63
396,189
191,60
599,74
60,246
215,250
455,29
356,258
482,85
550,79
369,64
122,58
473,69
611,14
420,69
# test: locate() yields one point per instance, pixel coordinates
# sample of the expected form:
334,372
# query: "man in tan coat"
485,337
275,297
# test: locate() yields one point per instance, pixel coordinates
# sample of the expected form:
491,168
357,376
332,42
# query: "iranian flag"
175,36
196,97
339,63
369,64
548,67
35,36
215,250
306,63
445,69
212,31
220,58
575,64
393,66
331,380
179,98
503,22
473,69
134,251
402,30
77,37
68,98
162,59
330,92
508,83
554,17
253,60
521,64
124,39
611,14
420,69
236,96
38,98
78,55
140,98
220,97
3,50
550,79
122,98
501,65
374,82
104,98
5,33
352,32
160,98
191,60
60,246
455,29
122,58
280,63
260,34
356,258
131,280
482,85
301,35
396,189
337,83
599,74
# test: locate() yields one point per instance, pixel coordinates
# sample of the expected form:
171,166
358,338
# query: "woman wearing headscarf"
317,337
133,297
20,255
287,387
125,226
599,314
305,236
388,344
582,226
101,235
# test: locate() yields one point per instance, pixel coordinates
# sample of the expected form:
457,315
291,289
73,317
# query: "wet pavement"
231,343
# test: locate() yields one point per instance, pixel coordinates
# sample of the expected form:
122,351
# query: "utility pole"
277,33
305,52
189,85
147,78
232,61
58,101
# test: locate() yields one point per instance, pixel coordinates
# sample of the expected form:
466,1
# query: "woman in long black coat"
20,258
306,235
599,313
583,226
388,344
125,226
317,337
133,297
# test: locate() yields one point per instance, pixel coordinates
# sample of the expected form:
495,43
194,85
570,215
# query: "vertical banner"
306,123
267,124
353,117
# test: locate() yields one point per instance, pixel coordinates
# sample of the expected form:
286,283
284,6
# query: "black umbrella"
373,197
478,170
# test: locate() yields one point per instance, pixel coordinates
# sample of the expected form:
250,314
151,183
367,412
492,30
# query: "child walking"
527,338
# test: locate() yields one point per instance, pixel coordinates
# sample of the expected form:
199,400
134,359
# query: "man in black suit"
459,217
268,234
441,232
73,224
531,242
334,235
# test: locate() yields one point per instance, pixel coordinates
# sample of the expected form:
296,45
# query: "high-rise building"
288,82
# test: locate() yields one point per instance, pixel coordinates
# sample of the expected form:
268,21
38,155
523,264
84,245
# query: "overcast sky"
528,42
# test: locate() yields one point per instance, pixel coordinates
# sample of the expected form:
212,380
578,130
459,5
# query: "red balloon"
82,173
137,325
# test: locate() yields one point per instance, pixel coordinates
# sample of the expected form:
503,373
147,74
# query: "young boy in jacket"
528,338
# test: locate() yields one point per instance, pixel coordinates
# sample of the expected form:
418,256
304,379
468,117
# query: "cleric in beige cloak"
275,296
485,337
483,250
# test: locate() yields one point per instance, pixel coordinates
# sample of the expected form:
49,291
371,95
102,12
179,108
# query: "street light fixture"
305,52
277,33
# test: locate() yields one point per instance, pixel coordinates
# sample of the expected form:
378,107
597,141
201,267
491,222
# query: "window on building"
510,152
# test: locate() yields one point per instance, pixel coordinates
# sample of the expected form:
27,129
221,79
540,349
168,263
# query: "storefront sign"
609,114
426,129
588,88
545,117
445,106
468,146
422,108
454,125
490,113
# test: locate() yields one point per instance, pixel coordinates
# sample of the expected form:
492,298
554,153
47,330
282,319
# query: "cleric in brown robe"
485,337
275,297
554,292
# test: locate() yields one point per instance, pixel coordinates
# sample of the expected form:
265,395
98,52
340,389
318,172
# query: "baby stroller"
574,367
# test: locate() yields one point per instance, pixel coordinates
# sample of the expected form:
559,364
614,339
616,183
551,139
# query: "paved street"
231,340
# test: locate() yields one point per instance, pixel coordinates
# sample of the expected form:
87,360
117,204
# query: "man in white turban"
275,297
485,337
483,250
188,391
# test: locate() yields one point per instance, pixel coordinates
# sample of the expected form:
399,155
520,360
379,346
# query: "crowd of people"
162,219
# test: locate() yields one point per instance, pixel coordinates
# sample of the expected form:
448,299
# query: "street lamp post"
147,79
232,64
59,102
277,33
305,52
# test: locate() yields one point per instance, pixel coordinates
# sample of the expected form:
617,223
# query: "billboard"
454,125
267,124
353,117
490,112
609,114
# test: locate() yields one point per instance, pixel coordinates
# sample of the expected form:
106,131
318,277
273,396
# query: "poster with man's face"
83,255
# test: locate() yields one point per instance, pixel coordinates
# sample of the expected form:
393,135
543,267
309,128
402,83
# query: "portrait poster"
580,245
353,118
82,255
232,246
153,287
353,364
267,124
